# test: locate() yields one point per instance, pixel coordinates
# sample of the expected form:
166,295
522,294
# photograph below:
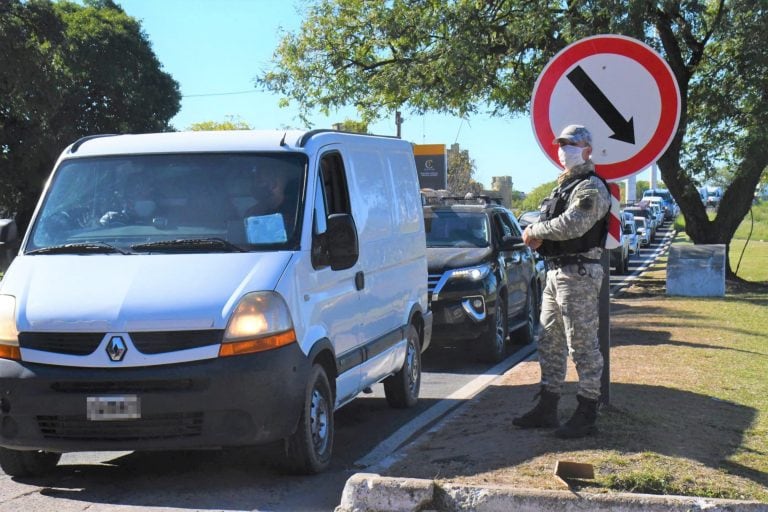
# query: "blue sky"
215,48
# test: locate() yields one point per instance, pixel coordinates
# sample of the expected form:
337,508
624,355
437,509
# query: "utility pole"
398,122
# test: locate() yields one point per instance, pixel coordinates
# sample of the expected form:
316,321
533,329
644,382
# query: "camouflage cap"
574,134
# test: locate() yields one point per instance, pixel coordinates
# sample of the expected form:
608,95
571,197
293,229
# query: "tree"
69,70
537,195
461,170
232,123
454,57
352,126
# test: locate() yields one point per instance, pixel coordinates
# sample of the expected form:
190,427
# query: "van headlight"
261,321
9,334
472,273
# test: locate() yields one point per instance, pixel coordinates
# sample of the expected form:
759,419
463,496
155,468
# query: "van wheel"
27,463
309,449
527,332
494,340
402,388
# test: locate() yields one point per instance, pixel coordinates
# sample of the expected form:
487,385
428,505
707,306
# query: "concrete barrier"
369,492
696,270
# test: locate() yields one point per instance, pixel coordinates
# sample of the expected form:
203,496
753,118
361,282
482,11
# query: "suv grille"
432,280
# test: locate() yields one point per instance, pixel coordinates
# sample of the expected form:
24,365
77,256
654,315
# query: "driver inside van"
266,221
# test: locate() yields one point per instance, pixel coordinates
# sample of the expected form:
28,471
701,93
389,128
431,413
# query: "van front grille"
84,343
128,387
160,426
69,343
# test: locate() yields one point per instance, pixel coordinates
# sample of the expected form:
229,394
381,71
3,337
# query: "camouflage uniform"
569,310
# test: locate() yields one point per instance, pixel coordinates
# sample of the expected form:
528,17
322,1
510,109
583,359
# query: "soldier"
570,235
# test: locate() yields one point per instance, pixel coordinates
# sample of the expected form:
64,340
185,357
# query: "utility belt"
570,259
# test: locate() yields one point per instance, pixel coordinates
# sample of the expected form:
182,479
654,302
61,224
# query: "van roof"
197,142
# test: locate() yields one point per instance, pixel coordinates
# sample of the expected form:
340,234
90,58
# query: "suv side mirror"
8,231
338,246
512,243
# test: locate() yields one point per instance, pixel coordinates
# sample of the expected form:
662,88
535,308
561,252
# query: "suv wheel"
309,448
494,340
527,332
402,388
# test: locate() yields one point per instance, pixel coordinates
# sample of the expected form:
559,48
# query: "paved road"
367,432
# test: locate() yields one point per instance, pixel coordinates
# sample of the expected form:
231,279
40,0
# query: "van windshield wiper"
81,248
189,245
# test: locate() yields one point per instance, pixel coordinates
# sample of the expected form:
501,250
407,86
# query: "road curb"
370,492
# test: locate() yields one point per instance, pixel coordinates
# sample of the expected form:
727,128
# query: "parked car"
629,230
115,338
642,210
483,283
527,218
654,203
643,231
619,256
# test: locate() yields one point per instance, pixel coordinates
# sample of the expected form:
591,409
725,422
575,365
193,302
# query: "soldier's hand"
533,243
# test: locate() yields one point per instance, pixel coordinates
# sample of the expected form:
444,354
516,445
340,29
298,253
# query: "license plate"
111,408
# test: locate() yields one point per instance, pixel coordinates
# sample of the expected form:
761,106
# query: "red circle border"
627,47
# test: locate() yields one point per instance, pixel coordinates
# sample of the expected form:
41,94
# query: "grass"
688,410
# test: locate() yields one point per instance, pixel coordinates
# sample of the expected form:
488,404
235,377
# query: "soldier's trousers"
569,319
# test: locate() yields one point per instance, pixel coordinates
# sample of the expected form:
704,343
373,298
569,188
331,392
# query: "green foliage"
535,196
350,125
232,123
460,56
69,70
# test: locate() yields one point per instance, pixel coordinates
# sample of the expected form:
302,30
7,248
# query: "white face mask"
570,156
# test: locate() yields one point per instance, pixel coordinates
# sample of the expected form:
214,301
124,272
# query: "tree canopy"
68,70
466,56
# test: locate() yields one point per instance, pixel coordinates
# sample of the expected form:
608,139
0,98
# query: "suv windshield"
450,228
172,203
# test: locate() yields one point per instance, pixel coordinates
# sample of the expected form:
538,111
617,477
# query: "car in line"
641,210
483,283
643,231
629,230
618,257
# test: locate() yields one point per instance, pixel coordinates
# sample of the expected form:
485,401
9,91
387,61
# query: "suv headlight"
261,321
472,273
9,334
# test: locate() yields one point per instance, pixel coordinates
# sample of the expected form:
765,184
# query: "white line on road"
444,406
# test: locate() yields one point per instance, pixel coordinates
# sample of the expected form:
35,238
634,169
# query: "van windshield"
172,203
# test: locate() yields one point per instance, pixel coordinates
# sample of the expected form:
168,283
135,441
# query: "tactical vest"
555,205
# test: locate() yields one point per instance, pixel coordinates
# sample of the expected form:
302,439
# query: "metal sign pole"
604,331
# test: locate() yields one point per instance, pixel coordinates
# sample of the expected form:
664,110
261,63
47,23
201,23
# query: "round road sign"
621,90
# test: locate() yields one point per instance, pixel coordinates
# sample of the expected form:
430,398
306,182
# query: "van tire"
402,388
27,463
493,342
308,450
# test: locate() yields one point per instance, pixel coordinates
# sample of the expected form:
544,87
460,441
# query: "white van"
149,310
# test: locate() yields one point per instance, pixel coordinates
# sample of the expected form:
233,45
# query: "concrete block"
369,492
696,270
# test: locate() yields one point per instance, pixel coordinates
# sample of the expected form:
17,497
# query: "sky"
214,49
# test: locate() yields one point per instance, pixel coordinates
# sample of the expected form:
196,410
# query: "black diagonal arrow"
623,130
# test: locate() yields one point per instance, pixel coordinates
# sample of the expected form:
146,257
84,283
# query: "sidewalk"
475,459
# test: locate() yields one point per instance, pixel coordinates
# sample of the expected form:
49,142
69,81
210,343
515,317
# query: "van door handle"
360,280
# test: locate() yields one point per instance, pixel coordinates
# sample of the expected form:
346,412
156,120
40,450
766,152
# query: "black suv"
482,278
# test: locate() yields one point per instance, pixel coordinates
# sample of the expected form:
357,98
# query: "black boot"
582,423
543,415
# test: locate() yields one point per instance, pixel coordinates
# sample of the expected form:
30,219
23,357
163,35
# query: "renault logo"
116,348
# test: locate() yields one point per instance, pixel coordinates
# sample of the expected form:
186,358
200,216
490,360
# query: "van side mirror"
8,231
338,246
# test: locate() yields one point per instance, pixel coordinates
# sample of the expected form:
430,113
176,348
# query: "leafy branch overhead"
483,56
